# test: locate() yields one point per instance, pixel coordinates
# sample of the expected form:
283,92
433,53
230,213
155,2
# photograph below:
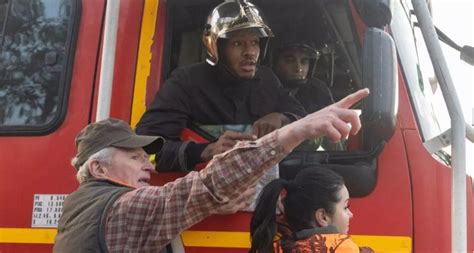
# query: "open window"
344,66
326,25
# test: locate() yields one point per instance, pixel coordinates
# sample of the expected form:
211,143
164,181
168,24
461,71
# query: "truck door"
48,61
336,29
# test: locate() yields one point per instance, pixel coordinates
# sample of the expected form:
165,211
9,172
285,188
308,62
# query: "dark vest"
82,225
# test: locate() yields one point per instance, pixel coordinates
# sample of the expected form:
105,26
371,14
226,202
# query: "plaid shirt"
148,218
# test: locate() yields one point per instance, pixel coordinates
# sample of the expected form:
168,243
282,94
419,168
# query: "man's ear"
96,169
322,218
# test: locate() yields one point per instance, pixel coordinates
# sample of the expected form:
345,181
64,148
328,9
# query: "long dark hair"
312,188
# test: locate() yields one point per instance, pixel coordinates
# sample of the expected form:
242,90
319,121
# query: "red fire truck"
67,63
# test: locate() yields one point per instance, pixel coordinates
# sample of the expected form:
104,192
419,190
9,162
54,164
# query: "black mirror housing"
375,13
379,74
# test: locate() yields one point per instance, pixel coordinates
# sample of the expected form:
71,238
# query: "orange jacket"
322,243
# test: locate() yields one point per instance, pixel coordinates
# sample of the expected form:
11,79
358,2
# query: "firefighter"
319,225
294,62
115,210
229,88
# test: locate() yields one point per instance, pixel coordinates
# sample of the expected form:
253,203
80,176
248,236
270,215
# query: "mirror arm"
470,133
467,52
448,41
443,140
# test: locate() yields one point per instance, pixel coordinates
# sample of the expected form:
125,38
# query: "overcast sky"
456,19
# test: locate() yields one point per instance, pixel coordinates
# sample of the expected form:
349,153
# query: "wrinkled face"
293,64
131,167
342,215
240,53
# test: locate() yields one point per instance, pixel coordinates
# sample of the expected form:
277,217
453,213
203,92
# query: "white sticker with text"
47,208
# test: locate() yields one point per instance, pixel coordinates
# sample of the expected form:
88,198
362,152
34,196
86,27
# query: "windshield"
429,106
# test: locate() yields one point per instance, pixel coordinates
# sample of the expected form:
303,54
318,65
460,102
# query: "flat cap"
109,133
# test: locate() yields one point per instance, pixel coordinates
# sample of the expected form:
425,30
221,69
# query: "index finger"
353,98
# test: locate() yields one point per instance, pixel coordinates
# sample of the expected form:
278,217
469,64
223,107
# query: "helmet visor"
258,31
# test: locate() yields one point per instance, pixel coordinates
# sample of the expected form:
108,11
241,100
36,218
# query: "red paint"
431,197
470,215
126,58
214,250
40,160
406,116
128,36
411,198
41,164
387,210
156,74
359,23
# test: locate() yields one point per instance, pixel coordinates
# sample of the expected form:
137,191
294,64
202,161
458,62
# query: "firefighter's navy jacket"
313,94
208,95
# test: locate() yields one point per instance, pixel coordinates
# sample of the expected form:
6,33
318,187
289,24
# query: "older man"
115,210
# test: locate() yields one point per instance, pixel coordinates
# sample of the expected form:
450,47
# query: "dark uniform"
313,95
207,95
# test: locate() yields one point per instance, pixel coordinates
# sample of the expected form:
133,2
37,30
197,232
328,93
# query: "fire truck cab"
56,57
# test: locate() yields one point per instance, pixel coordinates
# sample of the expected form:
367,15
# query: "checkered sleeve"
148,218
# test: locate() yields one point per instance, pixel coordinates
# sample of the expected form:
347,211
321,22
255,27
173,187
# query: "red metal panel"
239,222
41,164
128,37
214,250
387,210
431,197
26,248
470,215
156,75
30,164
406,117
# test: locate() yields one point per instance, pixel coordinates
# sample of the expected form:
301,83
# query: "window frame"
358,167
64,85
426,118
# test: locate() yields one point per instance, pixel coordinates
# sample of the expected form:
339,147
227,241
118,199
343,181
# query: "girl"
315,218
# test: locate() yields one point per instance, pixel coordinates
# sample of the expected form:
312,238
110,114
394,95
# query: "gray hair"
103,156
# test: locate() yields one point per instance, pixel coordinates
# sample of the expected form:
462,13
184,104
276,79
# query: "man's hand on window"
269,123
224,143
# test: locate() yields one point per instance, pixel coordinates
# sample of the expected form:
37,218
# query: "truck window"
330,26
36,47
302,19
418,72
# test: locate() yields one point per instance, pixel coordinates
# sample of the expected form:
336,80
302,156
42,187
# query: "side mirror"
379,74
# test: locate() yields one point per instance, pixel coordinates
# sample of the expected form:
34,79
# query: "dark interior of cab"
330,26
335,37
